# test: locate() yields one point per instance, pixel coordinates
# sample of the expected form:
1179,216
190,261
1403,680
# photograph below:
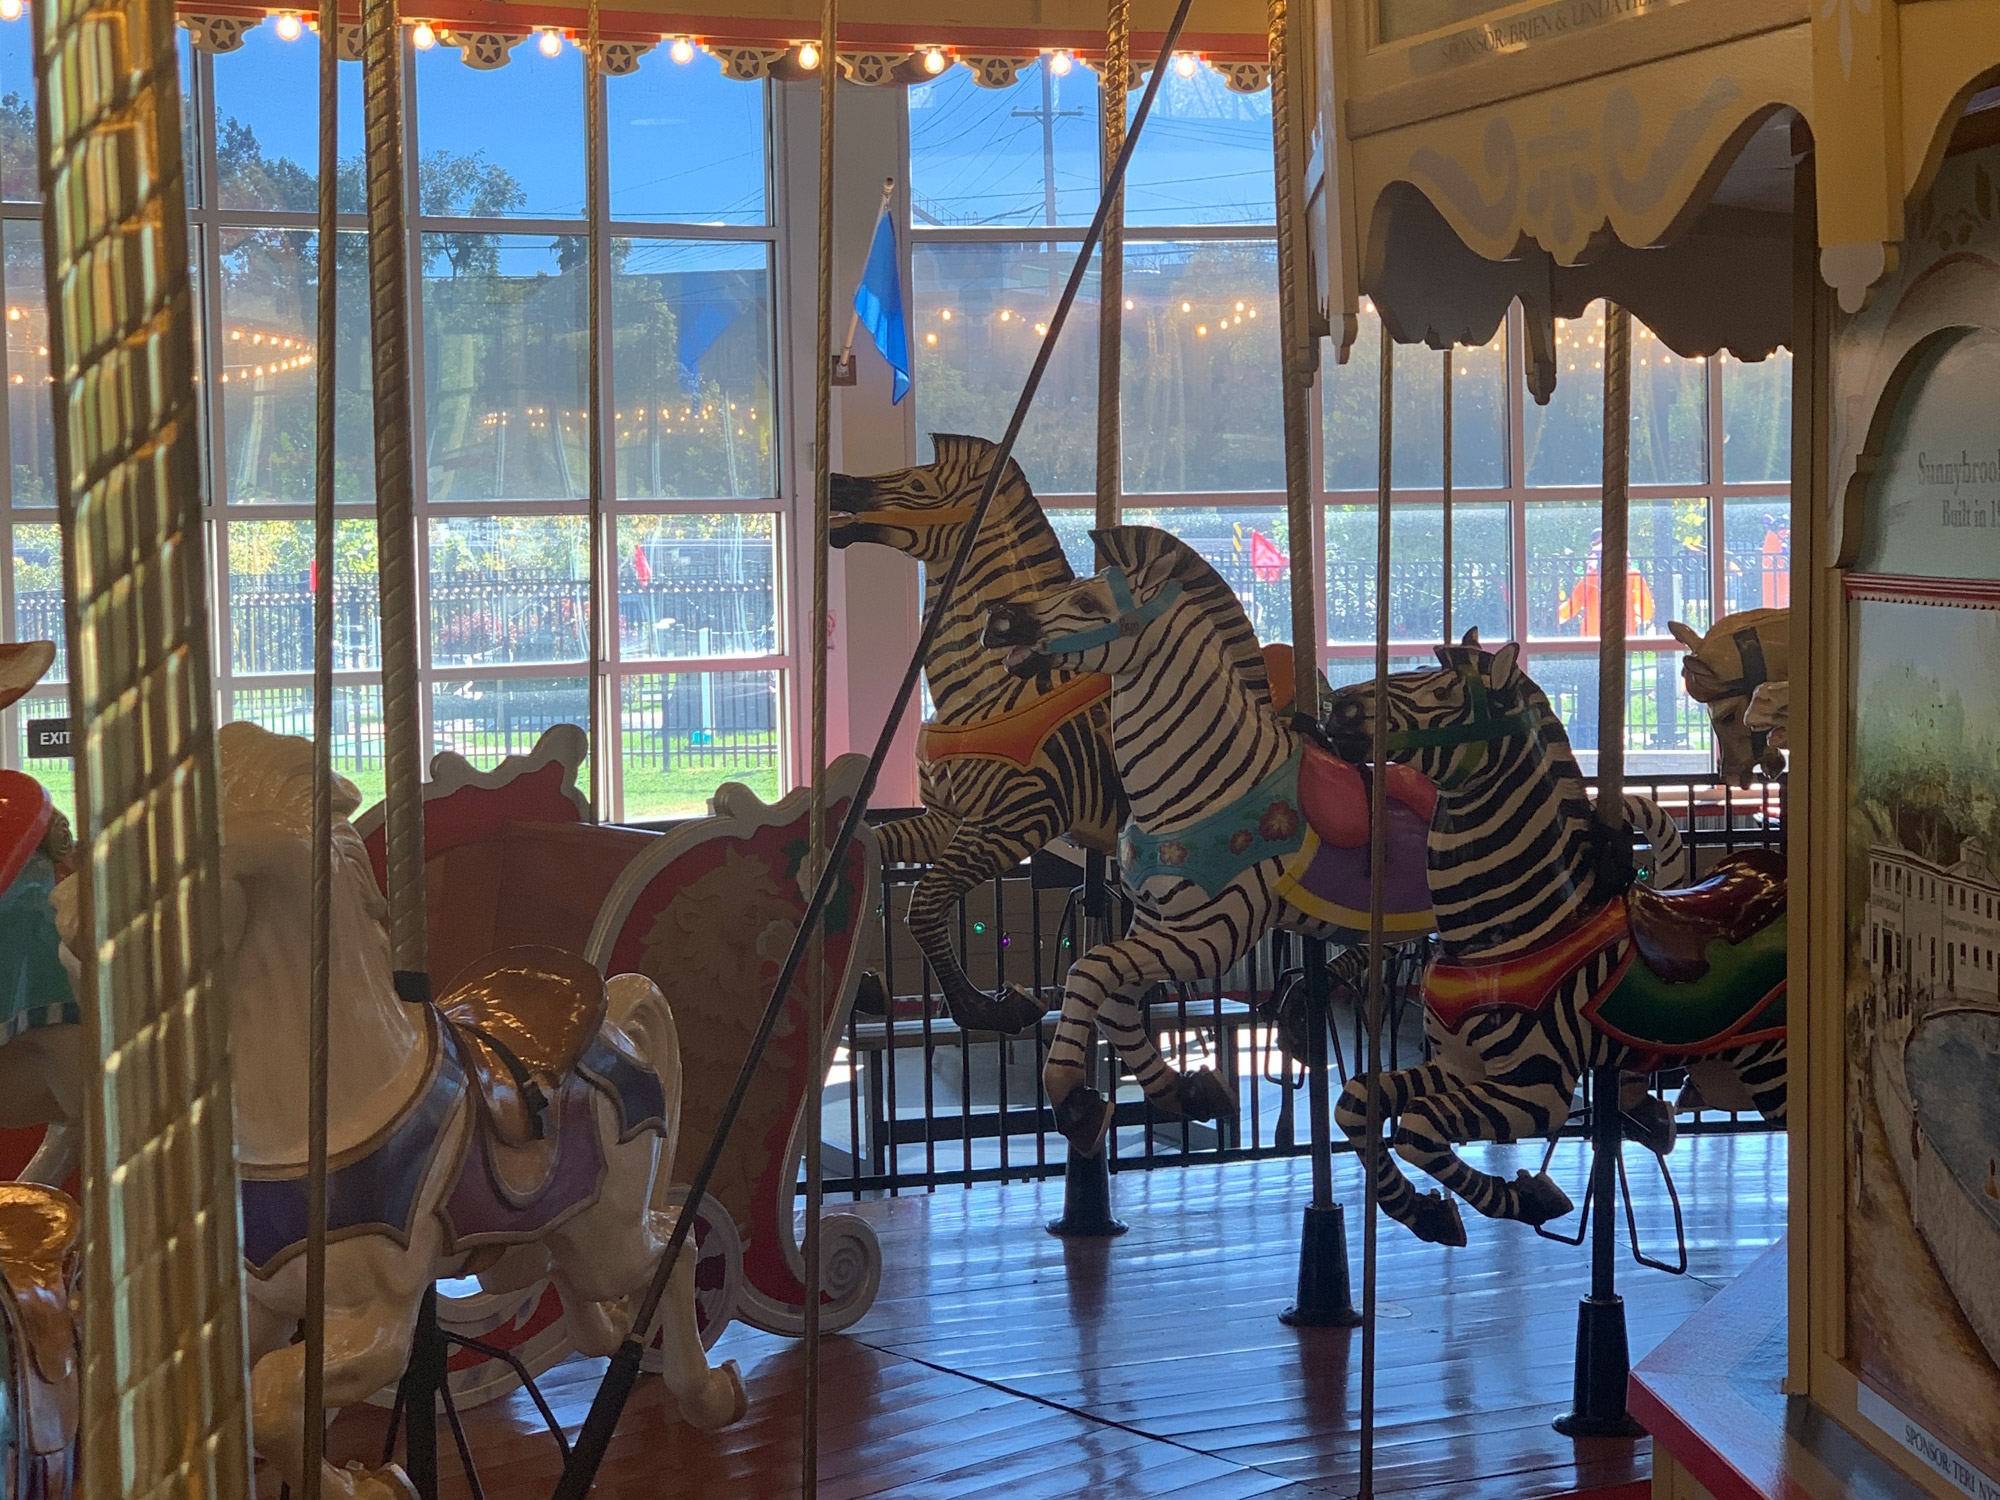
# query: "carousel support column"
1086,1211
396,550
1445,471
1602,1358
607,735
163,1403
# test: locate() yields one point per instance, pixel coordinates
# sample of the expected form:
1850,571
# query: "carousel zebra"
1551,960
1013,757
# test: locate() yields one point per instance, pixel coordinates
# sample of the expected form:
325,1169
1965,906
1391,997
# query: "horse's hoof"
1650,1123
1017,1011
1201,1095
722,1402
1437,1221
870,999
1084,1118
1541,1199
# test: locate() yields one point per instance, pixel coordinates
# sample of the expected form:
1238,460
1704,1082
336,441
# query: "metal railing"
913,1103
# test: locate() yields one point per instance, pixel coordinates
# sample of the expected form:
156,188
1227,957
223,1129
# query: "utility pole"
1048,114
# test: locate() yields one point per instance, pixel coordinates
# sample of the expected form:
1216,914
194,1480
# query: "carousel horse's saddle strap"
523,1018
1674,929
1018,734
38,1232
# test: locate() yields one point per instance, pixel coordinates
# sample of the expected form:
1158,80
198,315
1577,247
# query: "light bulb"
423,36
683,50
934,60
1184,64
1060,64
10,10
808,56
289,25
550,43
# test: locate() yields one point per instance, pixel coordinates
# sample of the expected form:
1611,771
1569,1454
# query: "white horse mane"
267,779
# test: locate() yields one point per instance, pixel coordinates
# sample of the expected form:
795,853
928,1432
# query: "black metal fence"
913,1103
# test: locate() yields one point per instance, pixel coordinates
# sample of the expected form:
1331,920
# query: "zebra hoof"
1650,1123
1436,1221
870,999
1010,1012
1203,1096
1084,1117
1541,1199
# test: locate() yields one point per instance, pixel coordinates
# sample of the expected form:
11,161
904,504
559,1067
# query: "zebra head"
923,510
1451,724
1098,624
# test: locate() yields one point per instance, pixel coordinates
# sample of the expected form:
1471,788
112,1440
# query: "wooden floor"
1002,1364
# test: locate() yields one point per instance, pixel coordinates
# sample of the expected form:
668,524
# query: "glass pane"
1665,730
270,596
509,589
19,176
38,592
1072,528
1345,671
1205,156
1350,392
1564,440
503,375
488,721
1757,553
1756,418
57,772
468,168
357,726
688,732
31,433
1481,548
1020,155
691,361
686,144
1201,386
697,586
1245,544
270,294
267,125
1668,555
978,309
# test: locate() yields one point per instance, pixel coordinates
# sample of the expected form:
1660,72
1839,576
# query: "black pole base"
1324,1300
1086,1211
1603,1364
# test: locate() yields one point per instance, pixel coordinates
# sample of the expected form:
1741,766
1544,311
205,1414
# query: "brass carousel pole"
1451,351
829,79
327,333
606,736
163,1384
1324,1299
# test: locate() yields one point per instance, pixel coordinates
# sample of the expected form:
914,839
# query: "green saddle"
1740,999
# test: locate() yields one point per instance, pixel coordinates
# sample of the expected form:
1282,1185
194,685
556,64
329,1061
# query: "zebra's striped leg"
1750,1078
975,853
1429,1216
915,841
1125,1028
1488,1110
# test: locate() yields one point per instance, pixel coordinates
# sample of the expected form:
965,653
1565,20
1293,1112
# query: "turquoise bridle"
1484,728
1129,620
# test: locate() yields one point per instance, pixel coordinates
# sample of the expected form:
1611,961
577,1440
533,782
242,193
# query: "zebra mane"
1154,553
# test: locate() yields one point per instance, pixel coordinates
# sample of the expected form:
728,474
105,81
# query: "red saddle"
1335,798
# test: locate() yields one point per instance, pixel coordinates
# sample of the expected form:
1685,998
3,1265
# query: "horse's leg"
1429,1216
53,1055
1753,1077
976,853
915,841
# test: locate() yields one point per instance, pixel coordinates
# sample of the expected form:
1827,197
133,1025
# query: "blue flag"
879,303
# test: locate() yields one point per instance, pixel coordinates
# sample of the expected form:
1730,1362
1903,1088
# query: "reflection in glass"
686,733
1757,553
267,125
1668,558
686,144
509,589
38,592
1564,441
1659,717
269,372
467,167
697,586
1205,155
271,596
357,726
1756,418
692,355
1026,154
488,721
30,422
503,371
1481,551
1350,394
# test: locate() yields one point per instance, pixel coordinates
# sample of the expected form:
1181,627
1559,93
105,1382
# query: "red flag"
641,569
1266,560
312,576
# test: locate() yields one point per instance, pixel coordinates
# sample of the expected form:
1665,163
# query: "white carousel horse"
515,1130
1725,670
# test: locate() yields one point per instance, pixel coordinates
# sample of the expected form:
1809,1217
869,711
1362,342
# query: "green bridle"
1484,728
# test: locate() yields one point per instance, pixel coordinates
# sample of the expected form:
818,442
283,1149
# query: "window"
696,662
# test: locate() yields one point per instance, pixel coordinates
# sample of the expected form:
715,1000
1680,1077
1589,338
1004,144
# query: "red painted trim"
1904,588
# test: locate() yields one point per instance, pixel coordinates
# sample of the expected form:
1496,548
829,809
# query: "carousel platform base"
999,1363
